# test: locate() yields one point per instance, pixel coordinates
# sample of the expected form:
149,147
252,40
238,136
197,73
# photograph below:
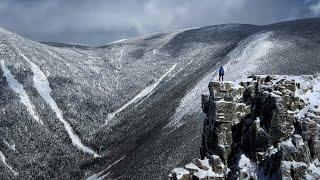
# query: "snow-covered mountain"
129,109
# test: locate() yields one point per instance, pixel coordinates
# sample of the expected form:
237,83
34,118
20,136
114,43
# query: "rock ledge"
262,127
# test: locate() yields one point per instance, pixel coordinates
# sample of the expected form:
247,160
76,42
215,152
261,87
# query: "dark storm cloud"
96,22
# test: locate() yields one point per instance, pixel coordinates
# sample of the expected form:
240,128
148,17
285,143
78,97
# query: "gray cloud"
314,7
96,22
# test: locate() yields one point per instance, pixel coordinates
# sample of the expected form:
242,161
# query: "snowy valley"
130,109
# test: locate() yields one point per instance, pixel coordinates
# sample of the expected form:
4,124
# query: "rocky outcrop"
263,127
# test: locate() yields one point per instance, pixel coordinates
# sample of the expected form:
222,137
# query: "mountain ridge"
89,84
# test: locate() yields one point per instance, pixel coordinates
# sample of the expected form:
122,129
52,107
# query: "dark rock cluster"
264,127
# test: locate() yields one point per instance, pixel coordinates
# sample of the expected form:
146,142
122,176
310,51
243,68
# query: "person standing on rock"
221,74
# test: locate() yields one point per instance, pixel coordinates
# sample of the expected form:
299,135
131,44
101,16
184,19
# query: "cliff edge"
262,127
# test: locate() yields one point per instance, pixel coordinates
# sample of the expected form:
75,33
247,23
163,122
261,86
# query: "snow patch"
145,93
313,171
246,166
18,89
243,162
4,161
115,162
309,92
191,166
294,164
206,173
41,83
198,172
115,42
10,146
98,176
180,172
288,143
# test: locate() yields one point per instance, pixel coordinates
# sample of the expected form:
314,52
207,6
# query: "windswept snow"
18,88
115,162
10,146
246,58
41,83
98,176
243,61
190,101
114,42
4,161
146,92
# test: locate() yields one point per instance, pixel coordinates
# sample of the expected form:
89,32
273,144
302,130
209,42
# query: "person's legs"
222,76
219,77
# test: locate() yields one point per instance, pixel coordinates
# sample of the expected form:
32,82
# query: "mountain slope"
129,109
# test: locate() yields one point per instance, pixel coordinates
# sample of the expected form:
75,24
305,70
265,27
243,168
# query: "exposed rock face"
261,127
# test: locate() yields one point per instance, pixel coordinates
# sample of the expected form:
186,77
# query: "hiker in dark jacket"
221,73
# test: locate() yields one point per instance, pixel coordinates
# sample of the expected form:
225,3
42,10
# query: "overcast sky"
96,22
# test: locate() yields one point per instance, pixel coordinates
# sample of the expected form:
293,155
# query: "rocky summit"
262,127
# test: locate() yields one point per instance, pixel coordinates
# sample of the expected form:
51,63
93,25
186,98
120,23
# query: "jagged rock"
293,170
205,103
288,150
217,164
315,148
266,127
227,109
201,165
241,111
192,168
263,139
270,164
295,150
